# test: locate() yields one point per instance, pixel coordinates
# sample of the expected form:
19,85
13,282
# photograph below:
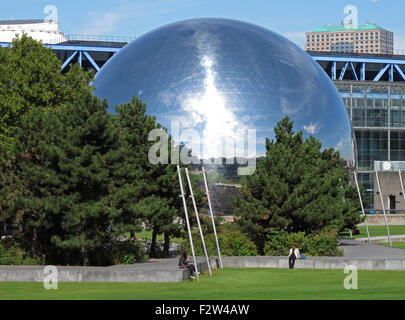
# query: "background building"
42,30
377,114
366,38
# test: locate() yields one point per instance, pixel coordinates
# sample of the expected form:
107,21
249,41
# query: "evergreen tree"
65,162
145,193
296,187
132,180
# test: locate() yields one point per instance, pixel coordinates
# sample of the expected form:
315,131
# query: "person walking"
293,254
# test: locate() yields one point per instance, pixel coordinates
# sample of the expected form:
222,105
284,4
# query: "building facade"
377,114
367,38
46,31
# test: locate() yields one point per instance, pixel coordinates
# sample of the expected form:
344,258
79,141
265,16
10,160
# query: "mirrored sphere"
226,80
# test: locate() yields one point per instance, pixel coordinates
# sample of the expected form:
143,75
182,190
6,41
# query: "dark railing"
90,38
400,52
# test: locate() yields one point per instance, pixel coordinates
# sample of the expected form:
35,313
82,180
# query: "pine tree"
65,161
296,187
146,194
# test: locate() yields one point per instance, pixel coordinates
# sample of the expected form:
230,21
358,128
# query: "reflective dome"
223,78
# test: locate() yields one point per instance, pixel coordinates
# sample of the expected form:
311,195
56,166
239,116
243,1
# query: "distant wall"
392,219
390,187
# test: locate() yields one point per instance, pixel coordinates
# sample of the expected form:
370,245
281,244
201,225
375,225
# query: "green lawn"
400,245
233,284
376,231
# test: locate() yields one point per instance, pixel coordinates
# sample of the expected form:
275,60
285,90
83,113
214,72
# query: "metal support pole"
402,184
361,203
212,217
80,58
188,222
198,222
344,201
382,203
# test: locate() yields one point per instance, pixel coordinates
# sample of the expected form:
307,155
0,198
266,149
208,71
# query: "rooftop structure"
366,26
365,38
46,31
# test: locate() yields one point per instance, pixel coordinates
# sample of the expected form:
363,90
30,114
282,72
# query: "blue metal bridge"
339,66
89,55
349,66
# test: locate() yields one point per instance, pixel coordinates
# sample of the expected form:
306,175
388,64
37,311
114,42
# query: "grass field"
228,284
376,231
400,245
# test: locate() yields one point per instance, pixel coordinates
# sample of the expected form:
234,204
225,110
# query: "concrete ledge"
397,219
164,270
312,263
93,275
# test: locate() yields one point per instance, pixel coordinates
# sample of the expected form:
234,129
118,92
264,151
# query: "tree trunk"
152,252
34,245
85,257
166,245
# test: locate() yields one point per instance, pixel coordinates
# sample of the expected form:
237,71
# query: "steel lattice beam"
394,64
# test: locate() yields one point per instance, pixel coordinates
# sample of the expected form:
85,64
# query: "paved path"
355,249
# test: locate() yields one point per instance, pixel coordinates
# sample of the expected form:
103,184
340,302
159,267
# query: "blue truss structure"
339,66
362,68
95,55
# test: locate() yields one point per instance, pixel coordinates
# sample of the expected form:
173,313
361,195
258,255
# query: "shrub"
232,242
279,244
321,244
129,259
127,252
14,255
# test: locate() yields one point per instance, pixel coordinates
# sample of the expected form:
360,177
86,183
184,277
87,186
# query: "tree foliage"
30,77
74,178
147,194
296,187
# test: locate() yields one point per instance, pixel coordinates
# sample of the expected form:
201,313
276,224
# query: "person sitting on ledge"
183,262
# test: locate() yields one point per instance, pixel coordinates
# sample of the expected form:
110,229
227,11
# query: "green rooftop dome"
366,26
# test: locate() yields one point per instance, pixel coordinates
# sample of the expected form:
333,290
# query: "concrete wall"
36,274
392,219
101,274
390,186
312,263
128,274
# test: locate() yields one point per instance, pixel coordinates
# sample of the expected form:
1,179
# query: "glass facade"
377,113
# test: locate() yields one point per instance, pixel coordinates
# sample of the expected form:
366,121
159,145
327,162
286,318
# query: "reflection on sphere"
221,78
